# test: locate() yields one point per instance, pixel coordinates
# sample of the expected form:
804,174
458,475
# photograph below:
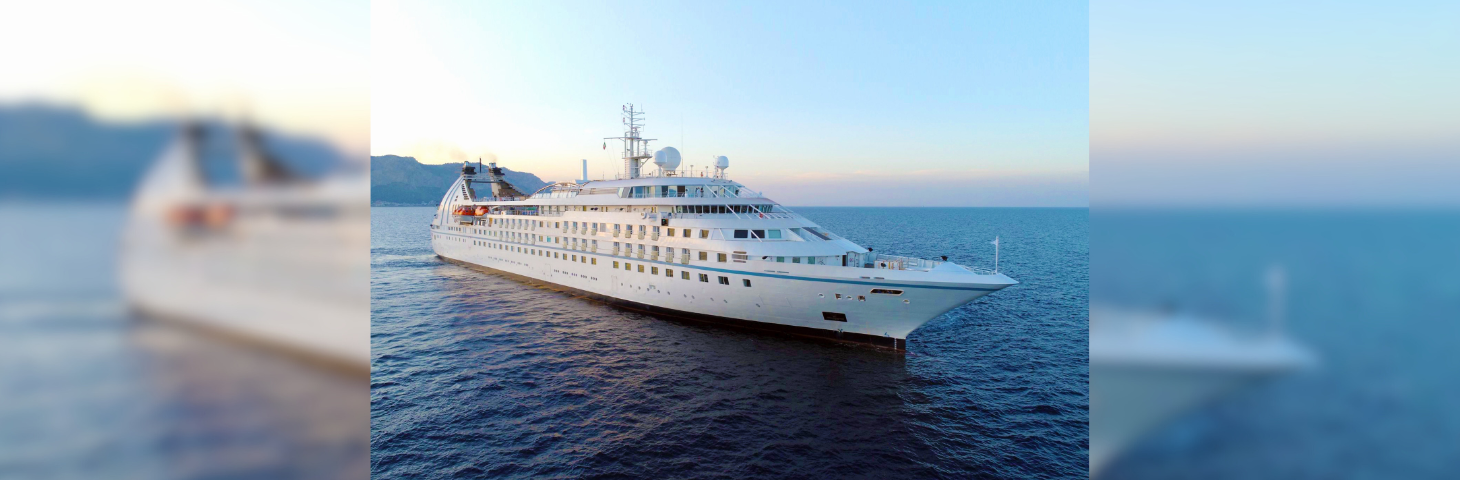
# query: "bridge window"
741,233
758,233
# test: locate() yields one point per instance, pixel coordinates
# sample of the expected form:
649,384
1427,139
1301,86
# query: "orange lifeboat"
481,210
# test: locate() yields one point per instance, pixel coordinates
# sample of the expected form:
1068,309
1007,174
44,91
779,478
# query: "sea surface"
476,374
1374,294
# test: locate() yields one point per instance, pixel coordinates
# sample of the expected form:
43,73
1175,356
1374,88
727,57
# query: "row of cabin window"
772,234
683,274
668,272
704,256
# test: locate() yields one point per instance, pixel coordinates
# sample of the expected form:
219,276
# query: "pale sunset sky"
949,104
297,67
1255,103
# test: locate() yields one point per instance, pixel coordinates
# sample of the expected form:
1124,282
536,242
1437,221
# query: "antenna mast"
636,149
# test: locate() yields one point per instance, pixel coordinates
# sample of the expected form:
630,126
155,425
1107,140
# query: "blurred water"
1374,293
474,374
91,392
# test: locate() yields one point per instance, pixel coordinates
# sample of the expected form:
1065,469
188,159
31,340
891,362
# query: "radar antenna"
636,149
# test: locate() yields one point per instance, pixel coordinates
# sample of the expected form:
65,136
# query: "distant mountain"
51,152
396,180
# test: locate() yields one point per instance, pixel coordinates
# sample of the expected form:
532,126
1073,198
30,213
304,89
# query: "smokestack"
585,171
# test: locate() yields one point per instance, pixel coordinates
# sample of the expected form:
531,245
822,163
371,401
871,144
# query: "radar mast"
636,149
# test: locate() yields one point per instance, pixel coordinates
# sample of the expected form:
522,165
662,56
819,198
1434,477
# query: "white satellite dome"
667,158
721,162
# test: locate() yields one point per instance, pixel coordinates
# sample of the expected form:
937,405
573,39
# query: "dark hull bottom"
878,342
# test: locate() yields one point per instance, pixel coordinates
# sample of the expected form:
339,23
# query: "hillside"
49,152
396,180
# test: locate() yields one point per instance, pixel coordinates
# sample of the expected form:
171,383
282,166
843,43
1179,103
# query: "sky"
1251,103
952,104
299,67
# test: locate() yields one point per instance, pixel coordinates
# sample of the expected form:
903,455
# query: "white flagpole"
996,253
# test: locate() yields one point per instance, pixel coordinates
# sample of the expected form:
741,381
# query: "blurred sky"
294,66
968,103
1275,103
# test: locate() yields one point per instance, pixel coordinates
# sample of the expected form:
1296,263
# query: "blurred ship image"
275,258
1147,367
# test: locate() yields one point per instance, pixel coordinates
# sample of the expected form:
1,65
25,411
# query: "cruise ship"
698,246
278,260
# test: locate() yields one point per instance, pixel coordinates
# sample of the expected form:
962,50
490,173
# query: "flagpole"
996,253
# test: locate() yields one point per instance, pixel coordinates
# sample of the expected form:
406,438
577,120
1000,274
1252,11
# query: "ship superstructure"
697,245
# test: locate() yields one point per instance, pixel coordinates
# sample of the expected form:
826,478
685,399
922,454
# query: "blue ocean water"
1375,294
475,374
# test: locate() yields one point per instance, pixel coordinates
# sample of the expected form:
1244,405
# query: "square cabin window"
641,268
686,233
705,278
671,231
781,259
795,259
704,233
742,233
669,272
594,261
721,256
724,280
654,270
704,256
575,258
628,266
746,281
684,274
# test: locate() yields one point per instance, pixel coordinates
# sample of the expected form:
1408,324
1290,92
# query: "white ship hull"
791,298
